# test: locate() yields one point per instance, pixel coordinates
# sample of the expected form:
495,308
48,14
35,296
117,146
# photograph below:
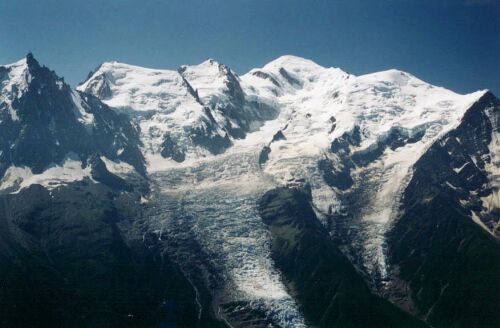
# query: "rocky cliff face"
321,278
44,123
443,246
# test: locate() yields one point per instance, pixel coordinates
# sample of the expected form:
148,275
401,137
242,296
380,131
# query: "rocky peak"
31,61
42,121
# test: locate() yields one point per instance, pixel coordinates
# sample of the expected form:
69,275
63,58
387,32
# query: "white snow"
159,100
478,221
81,114
208,79
459,169
144,89
70,170
14,84
117,167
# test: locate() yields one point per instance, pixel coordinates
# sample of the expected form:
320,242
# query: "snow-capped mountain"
190,112
50,133
227,156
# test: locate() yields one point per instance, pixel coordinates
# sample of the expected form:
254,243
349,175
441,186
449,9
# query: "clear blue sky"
455,44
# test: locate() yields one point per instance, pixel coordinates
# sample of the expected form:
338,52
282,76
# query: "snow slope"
70,170
14,80
161,101
210,79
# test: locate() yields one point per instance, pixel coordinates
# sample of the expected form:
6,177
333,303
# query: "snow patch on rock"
70,170
117,167
14,81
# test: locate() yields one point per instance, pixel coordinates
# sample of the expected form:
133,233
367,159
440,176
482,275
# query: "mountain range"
291,196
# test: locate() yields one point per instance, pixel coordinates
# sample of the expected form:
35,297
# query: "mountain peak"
209,66
211,78
14,81
293,73
292,62
21,63
394,77
31,62
29,56
209,61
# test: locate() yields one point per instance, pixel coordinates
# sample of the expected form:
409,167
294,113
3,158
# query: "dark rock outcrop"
329,290
170,149
447,261
69,259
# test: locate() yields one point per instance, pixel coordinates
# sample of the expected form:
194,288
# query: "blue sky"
455,44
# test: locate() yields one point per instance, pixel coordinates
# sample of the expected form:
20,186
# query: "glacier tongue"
215,201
